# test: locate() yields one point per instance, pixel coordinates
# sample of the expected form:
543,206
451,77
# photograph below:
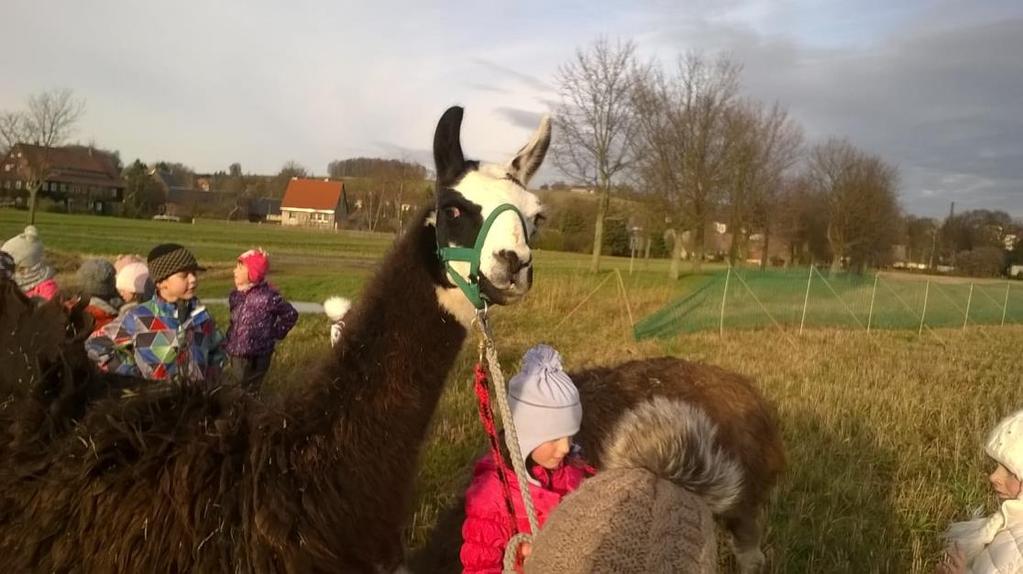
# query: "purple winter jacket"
259,318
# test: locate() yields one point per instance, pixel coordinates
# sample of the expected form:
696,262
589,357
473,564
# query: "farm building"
314,203
83,178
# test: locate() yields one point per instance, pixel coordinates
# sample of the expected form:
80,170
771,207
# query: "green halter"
471,255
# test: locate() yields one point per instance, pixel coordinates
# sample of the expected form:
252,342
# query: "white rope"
511,439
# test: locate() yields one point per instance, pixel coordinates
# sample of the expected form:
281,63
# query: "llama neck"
378,390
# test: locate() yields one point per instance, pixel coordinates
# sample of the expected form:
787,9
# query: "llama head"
468,193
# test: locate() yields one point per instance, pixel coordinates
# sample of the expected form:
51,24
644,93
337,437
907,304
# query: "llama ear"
530,157
447,147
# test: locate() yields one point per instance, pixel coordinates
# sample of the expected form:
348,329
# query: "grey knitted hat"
25,248
96,278
543,400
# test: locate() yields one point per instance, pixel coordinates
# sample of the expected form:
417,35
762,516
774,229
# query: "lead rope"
511,441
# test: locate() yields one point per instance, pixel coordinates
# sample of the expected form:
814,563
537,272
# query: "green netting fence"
802,298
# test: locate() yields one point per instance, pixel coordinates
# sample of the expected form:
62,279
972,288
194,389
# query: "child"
336,308
546,410
169,337
133,284
994,544
259,318
33,275
96,282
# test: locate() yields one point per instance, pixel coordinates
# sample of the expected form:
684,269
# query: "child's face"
126,294
241,276
1005,484
180,285
551,453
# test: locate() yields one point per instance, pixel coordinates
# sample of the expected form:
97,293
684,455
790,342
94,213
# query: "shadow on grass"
832,511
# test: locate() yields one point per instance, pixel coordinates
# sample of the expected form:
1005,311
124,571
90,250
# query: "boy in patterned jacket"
169,337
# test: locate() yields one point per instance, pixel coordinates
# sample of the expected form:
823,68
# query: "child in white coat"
994,544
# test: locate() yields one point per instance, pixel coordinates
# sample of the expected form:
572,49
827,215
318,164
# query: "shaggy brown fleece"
114,474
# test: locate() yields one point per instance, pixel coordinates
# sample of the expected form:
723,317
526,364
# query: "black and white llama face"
468,192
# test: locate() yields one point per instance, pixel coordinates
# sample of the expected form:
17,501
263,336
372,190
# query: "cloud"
486,88
520,118
526,79
938,98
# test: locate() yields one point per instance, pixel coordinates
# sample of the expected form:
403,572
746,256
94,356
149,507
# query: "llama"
747,431
112,474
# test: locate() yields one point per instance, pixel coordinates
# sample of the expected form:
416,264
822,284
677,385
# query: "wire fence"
801,298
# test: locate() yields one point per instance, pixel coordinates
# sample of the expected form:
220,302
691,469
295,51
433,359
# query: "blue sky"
934,87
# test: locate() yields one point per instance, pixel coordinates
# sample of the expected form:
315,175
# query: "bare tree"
48,121
860,193
765,144
684,143
595,122
13,130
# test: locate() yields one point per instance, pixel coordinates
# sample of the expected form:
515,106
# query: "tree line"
685,137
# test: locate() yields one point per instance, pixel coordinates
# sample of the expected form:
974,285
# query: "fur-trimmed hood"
651,508
678,442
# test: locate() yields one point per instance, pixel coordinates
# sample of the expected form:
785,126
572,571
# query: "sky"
934,87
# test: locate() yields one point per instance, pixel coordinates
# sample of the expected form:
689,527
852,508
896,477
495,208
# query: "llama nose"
512,261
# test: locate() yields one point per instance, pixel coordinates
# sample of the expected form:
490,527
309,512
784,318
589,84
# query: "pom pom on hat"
336,307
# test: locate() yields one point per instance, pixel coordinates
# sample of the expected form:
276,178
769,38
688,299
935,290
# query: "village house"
82,178
315,203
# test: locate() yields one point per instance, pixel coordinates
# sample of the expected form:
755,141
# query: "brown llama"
113,474
747,431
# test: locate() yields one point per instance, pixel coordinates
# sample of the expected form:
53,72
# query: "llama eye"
453,212
538,219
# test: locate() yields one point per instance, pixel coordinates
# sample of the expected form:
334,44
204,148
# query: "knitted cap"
257,262
25,248
1005,443
133,277
96,278
123,260
170,258
543,400
6,265
627,521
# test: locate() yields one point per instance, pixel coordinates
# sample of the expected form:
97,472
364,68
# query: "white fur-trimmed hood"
677,442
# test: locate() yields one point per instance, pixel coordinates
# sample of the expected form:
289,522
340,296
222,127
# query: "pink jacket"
487,527
45,290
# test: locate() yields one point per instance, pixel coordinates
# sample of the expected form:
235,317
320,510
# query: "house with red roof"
314,203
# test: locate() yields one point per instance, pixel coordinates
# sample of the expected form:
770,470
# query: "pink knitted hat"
257,262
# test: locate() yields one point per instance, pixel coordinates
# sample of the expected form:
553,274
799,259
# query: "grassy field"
883,430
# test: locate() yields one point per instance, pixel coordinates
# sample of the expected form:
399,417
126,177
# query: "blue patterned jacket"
149,342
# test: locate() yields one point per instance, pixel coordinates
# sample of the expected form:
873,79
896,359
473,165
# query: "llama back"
746,422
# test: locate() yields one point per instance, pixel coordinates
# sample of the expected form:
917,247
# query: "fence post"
806,299
873,294
969,300
927,291
1005,307
724,296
